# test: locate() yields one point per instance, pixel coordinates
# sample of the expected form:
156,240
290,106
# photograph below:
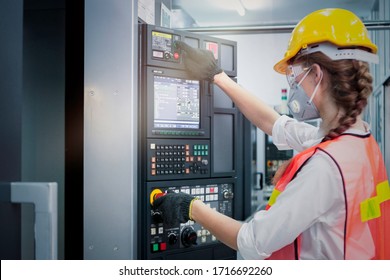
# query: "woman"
332,201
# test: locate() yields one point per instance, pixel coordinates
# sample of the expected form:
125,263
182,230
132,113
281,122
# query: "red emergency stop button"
176,56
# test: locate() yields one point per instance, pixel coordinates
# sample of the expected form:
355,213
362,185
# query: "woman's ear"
317,71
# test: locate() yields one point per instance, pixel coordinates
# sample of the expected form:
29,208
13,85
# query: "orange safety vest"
366,192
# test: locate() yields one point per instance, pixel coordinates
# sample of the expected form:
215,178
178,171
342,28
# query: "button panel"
213,195
163,47
178,132
178,159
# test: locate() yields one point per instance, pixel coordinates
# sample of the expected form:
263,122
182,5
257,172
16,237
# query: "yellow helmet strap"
337,53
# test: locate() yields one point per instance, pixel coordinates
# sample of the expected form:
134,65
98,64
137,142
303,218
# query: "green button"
155,247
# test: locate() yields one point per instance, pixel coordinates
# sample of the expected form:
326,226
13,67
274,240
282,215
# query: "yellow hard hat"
337,26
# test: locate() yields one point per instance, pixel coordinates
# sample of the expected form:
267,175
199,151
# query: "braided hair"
349,84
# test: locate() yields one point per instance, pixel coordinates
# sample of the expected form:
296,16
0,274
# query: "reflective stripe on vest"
370,208
367,195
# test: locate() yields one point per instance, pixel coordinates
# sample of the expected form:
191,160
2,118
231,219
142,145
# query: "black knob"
172,238
188,237
157,217
228,195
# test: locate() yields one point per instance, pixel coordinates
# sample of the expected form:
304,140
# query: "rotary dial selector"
172,238
228,195
157,217
188,237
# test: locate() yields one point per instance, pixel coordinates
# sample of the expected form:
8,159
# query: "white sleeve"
306,200
288,133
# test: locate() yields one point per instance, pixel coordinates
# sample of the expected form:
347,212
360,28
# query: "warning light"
176,56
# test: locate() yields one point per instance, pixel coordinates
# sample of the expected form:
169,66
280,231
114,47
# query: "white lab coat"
312,204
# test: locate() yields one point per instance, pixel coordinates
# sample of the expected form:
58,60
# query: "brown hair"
350,85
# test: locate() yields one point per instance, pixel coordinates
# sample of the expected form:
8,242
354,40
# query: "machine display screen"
176,103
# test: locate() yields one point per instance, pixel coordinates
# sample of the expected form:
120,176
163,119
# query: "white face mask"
301,106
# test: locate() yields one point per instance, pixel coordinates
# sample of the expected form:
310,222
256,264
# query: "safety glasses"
293,71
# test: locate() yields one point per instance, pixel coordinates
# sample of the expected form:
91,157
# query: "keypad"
185,159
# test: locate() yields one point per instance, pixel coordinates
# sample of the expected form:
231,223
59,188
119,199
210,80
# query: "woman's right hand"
199,62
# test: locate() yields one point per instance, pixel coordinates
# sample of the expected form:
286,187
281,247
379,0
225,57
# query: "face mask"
301,106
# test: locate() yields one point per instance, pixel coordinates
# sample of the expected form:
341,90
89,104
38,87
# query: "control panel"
163,47
175,159
188,142
218,196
